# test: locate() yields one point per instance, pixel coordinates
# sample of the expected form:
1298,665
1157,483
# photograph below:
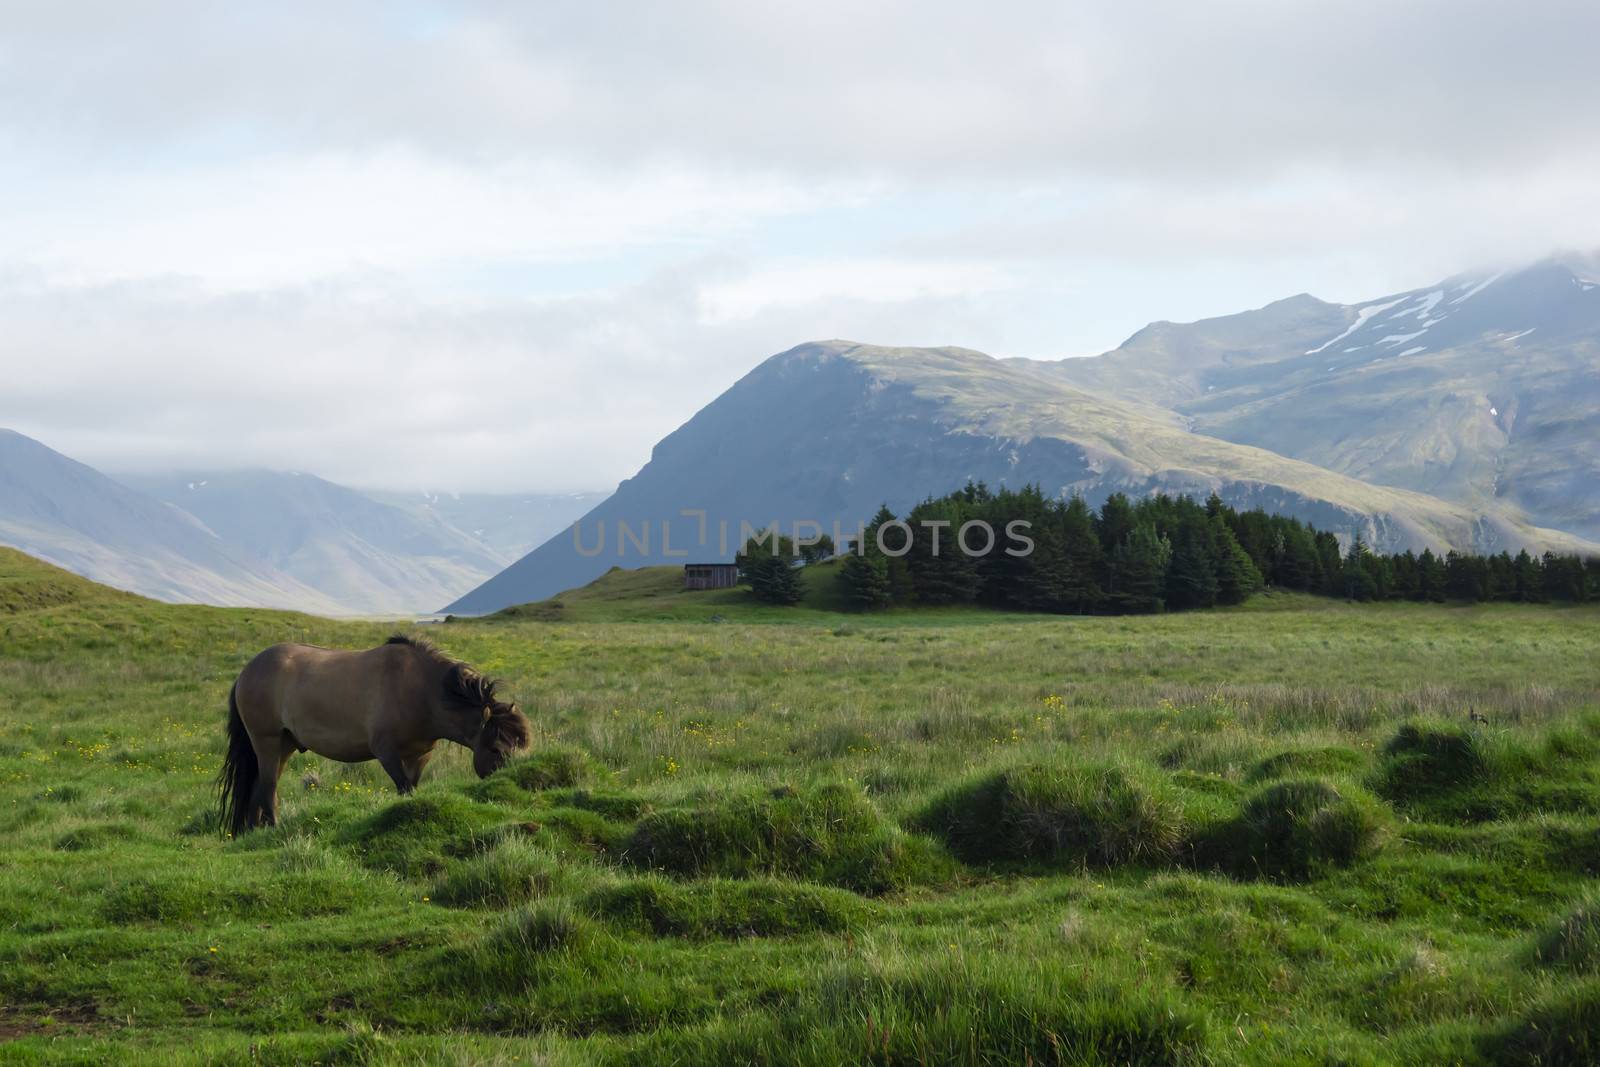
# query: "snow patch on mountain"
1362,315
1480,287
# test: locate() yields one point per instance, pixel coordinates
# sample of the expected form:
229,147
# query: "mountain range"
1460,415
1464,414
268,538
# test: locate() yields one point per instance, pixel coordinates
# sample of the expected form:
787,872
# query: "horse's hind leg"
272,754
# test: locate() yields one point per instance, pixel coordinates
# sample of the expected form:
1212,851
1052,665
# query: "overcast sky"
510,246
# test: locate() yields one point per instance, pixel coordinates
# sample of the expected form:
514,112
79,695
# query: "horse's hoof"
311,781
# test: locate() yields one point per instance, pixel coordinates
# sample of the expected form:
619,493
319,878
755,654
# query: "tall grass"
1300,832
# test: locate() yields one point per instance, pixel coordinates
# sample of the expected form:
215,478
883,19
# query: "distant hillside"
367,556
650,594
828,431
71,515
265,538
509,524
30,584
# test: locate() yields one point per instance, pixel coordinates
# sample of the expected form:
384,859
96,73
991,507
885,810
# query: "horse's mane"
462,686
464,689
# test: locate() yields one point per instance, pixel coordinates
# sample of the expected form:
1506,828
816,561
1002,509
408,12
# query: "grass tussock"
525,947
831,834
726,908
1561,1031
555,768
1326,761
1573,944
1294,830
1062,814
94,836
414,836
983,1010
512,873
1449,772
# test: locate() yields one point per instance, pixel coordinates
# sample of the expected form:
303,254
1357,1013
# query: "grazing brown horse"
392,703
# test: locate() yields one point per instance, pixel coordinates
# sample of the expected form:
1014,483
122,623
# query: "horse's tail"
236,784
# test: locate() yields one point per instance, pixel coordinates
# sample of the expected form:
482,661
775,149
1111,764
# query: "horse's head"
494,728
505,731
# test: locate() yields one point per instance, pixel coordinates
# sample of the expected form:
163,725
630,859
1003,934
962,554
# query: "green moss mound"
93,836
1426,760
530,944
1332,760
988,1012
831,834
554,768
1061,814
1294,830
722,908
1563,1031
512,873
188,899
1573,944
1453,773
414,836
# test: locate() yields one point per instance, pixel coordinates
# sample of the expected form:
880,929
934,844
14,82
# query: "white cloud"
283,221
515,244
875,280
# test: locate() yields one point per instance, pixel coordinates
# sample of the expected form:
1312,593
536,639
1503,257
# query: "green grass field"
1274,834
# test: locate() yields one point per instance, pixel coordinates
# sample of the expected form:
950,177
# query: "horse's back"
324,697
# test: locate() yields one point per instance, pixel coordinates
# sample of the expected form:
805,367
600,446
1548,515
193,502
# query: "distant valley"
269,538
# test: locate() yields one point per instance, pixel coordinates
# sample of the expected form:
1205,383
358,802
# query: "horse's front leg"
396,768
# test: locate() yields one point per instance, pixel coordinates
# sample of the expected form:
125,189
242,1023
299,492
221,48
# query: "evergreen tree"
775,580
1406,579
1020,581
1430,577
1163,552
768,566
864,580
1465,577
1078,586
941,573
1138,570
1237,576
1192,572
900,590
1564,578
1115,522
1502,583
1295,566
1330,566
1358,579
1527,578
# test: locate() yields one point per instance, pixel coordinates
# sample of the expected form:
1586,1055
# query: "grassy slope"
1003,400
656,594
744,757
